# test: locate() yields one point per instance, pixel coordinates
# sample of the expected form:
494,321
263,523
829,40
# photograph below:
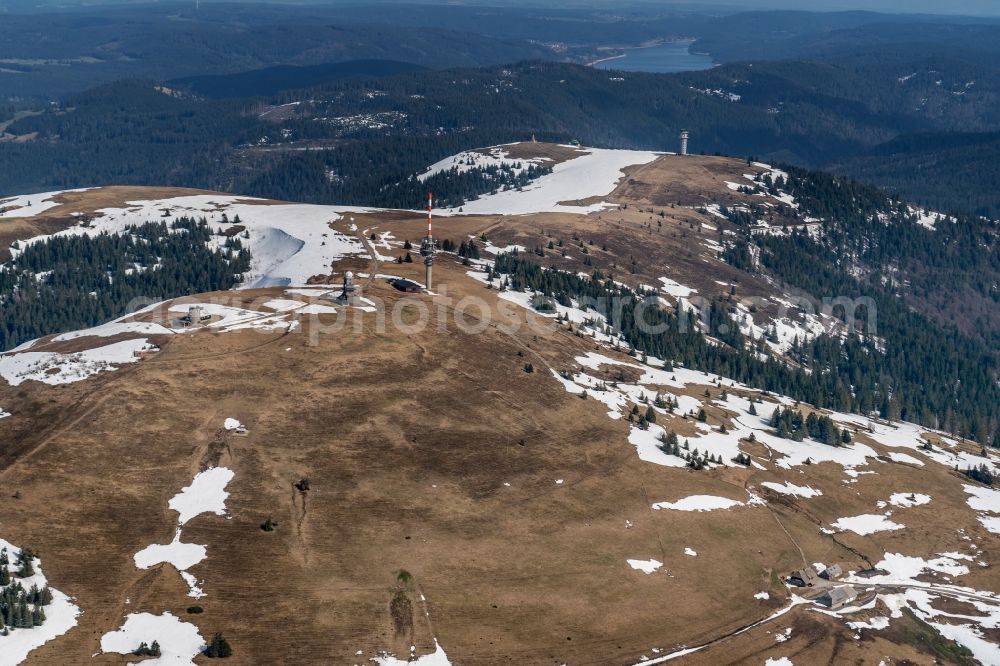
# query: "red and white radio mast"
427,248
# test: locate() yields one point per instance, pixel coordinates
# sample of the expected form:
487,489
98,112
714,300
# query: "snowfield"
868,523
645,566
436,658
114,328
181,555
917,596
179,641
928,218
23,363
905,458
676,289
789,488
595,173
60,615
27,205
983,499
206,494
288,243
699,503
726,445
56,368
710,440
986,501
495,156
907,500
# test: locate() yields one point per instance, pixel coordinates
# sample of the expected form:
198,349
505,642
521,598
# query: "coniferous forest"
20,608
69,282
954,389
935,292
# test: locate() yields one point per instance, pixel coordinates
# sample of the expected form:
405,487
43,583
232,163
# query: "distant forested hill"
126,133
358,140
857,36
946,169
271,80
56,53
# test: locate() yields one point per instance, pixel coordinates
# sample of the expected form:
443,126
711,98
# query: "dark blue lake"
665,58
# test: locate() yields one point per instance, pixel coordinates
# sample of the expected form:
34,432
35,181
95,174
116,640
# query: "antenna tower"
427,249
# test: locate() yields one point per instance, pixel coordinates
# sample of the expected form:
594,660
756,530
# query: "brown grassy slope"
408,442
375,421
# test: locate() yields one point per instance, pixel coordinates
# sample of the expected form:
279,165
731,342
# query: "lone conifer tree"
218,648
27,568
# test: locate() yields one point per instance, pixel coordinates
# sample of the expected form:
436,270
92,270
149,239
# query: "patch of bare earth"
553,153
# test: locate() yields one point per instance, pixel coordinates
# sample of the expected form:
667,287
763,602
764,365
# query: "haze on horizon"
977,8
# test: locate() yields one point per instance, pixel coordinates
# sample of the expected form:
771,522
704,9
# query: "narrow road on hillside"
376,265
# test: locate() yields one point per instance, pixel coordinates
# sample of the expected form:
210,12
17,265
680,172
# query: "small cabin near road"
408,286
839,596
832,572
805,577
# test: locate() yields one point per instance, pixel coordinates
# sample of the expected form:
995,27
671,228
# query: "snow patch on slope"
28,205
985,500
436,658
58,368
206,494
114,328
288,243
594,173
789,488
179,641
495,156
699,503
868,523
645,566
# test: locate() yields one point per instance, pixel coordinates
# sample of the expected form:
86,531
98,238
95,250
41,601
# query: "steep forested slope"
951,169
